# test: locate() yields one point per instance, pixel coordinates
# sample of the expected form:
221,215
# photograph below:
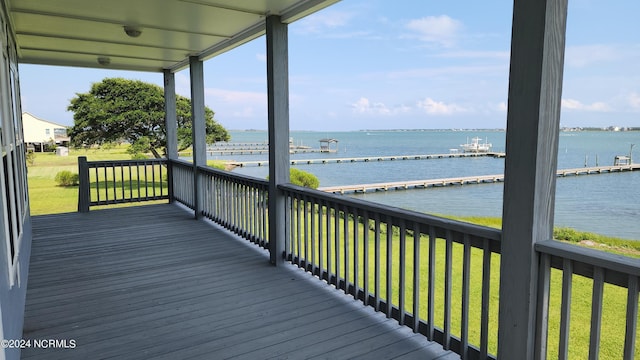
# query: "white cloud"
448,71
585,55
470,54
364,106
231,96
634,100
246,112
442,30
433,107
572,104
323,20
502,106
261,57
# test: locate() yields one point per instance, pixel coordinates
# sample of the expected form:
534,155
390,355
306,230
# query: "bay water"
607,204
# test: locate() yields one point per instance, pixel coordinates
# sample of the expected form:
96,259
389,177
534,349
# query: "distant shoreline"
563,129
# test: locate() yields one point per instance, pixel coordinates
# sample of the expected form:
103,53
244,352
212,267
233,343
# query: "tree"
117,109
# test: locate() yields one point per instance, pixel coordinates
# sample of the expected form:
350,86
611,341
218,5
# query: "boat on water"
476,145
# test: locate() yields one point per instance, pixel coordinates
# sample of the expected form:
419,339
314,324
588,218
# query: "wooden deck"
151,282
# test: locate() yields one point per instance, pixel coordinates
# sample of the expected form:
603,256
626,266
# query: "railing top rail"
125,162
261,183
395,212
181,162
596,258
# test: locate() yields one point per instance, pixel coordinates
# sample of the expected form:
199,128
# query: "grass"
587,239
45,196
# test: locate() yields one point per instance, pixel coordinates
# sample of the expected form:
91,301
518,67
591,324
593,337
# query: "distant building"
38,133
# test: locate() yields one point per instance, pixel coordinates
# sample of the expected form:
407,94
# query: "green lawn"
45,196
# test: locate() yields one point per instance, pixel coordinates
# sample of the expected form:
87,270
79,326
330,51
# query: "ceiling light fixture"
104,60
132,31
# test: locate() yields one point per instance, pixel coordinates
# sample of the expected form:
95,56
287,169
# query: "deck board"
151,282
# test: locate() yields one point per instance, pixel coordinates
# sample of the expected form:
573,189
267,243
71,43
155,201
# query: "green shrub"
31,157
67,178
217,164
139,156
303,178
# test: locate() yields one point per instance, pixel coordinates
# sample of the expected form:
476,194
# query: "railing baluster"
122,181
376,275
115,185
356,254
106,184
288,217
565,311
345,240
97,185
327,254
153,179
314,206
447,291
486,287
596,313
365,257
416,276
337,247
402,271
632,317
138,180
389,266
466,270
320,240
542,322
146,181
306,232
431,284
299,228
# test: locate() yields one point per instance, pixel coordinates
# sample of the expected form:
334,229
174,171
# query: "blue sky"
380,64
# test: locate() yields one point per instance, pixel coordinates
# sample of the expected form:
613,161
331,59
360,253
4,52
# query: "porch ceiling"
89,33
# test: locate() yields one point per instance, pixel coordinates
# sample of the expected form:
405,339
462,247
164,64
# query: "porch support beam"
533,120
278,122
171,125
171,118
198,133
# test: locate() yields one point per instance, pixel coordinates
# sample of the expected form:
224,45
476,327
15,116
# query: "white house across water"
38,132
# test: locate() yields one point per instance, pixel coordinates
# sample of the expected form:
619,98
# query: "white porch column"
278,119
171,119
198,128
533,119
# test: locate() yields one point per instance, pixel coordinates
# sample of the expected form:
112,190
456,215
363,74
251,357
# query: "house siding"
15,222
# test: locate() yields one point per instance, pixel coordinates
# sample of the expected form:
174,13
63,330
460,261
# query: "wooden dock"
257,151
371,159
483,179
